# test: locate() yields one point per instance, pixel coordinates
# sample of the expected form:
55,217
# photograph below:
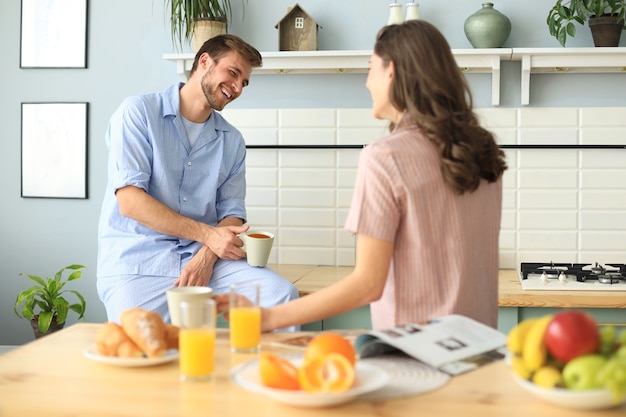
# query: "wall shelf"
356,61
533,61
567,60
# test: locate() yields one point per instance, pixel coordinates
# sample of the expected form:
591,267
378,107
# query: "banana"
535,352
519,367
517,335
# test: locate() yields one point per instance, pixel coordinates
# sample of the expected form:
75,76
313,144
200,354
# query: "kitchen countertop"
511,294
310,278
50,376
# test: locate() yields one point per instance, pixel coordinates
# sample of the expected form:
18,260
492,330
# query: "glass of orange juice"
196,340
244,318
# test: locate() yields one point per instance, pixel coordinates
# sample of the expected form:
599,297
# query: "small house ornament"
297,31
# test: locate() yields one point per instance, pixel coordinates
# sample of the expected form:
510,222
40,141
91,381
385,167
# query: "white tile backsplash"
603,240
603,220
549,179
548,136
603,117
308,198
604,178
548,117
307,118
564,205
547,220
307,136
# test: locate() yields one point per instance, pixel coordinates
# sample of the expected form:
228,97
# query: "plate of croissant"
140,339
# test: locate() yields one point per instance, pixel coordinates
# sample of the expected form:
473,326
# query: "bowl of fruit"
568,360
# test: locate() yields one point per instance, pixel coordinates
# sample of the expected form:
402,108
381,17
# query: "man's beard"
211,93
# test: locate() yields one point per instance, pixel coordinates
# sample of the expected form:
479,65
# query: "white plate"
368,378
578,400
92,353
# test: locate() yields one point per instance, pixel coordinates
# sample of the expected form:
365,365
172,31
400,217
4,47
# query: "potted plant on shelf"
198,20
47,296
606,20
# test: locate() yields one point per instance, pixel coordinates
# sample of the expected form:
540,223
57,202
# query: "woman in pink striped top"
427,202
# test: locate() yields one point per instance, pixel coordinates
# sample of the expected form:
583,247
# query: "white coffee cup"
177,295
258,245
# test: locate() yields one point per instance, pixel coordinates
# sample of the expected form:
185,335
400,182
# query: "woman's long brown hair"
429,86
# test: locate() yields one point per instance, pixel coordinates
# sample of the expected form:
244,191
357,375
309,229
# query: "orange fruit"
329,342
277,372
329,373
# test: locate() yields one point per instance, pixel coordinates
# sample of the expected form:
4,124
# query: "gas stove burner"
610,278
603,274
598,270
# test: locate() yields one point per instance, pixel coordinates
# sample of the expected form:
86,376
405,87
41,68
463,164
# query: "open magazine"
453,344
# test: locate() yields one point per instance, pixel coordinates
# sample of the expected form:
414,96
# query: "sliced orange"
277,372
329,342
332,372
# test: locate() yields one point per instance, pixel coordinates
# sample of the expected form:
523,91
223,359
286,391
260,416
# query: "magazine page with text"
453,344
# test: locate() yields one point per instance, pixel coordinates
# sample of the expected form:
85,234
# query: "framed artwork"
54,150
54,34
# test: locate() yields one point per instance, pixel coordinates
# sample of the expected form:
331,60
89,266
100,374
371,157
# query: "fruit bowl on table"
595,399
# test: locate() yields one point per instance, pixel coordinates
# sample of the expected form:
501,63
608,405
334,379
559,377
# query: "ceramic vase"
204,30
487,28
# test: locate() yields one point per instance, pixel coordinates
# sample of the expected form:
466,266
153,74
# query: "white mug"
257,245
191,294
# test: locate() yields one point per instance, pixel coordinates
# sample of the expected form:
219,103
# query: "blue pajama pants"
119,293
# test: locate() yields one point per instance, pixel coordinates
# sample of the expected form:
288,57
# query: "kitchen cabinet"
509,316
487,60
355,319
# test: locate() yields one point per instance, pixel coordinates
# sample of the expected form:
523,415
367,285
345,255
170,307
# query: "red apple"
570,334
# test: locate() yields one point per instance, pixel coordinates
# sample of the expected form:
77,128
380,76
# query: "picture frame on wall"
54,150
53,34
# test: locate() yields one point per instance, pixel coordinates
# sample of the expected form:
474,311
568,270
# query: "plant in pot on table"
47,295
198,20
605,19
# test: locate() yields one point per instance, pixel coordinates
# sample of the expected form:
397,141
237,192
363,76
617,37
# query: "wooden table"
51,377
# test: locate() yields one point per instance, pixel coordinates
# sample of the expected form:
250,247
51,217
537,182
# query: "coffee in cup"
257,245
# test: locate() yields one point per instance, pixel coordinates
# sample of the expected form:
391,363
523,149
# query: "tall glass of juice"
245,318
197,340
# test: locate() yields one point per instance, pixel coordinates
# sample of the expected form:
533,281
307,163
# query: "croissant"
111,340
147,329
171,336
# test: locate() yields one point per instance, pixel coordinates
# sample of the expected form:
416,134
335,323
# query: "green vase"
487,28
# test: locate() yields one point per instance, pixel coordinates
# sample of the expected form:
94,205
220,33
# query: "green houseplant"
562,16
47,296
185,16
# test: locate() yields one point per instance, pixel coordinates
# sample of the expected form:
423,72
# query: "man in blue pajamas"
175,196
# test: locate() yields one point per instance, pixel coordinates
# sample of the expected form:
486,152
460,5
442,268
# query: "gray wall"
126,40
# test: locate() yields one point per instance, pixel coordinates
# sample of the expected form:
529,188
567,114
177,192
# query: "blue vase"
487,28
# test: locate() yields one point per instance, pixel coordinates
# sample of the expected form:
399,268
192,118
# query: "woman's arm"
362,286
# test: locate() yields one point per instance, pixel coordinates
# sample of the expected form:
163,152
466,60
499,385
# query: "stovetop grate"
608,273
